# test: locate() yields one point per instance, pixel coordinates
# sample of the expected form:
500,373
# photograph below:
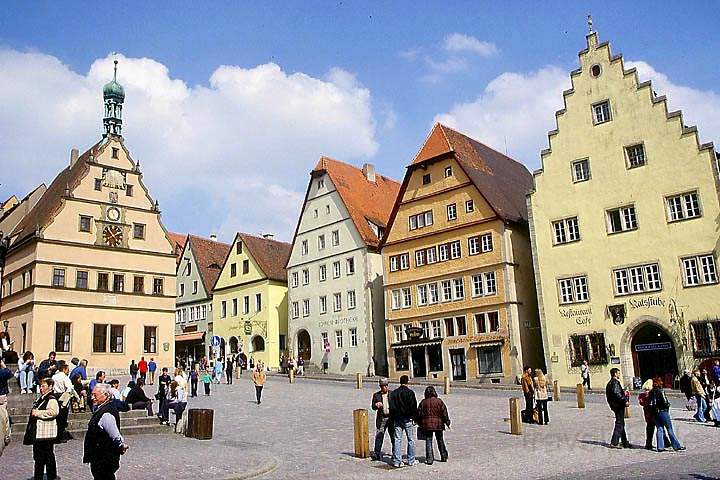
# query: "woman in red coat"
433,417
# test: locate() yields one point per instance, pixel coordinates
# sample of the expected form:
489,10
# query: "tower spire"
590,23
113,97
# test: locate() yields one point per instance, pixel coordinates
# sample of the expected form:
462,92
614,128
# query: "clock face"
113,214
112,236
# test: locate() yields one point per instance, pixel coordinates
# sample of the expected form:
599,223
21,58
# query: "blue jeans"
27,378
407,428
662,419
701,407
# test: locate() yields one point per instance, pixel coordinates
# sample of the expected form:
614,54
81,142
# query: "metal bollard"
447,385
362,437
580,395
515,418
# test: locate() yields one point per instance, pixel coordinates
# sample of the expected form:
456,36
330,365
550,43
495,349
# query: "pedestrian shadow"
700,476
597,443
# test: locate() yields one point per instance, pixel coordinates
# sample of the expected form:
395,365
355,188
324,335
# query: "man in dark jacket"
47,367
617,400
103,442
685,387
383,422
403,411
137,399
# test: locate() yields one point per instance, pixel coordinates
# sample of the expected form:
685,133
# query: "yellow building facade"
624,228
90,271
250,310
459,284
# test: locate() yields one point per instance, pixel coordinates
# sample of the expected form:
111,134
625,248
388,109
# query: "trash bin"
200,423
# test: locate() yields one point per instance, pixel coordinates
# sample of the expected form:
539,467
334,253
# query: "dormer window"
448,171
321,184
426,179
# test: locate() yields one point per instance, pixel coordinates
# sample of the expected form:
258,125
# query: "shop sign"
647,302
582,316
336,322
248,328
647,347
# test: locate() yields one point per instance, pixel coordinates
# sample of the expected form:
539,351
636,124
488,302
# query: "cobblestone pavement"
305,430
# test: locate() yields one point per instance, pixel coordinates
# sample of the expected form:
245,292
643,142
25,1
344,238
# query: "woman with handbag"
433,418
41,431
541,397
64,393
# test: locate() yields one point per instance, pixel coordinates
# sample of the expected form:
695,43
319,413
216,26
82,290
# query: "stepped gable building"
624,229
459,285
335,270
198,269
250,299
90,271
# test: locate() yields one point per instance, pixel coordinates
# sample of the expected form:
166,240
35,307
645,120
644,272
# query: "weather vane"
590,25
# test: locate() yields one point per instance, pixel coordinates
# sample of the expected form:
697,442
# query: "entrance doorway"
303,341
457,360
653,354
418,362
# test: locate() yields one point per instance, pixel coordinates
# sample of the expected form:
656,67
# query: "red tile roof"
270,255
208,253
503,182
50,203
178,242
364,200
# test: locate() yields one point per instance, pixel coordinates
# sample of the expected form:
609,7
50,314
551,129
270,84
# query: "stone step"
155,428
78,424
21,414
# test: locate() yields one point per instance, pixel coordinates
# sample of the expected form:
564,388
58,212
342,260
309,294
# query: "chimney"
73,157
369,172
213,237
268,236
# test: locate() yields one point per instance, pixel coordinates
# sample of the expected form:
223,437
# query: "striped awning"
494,343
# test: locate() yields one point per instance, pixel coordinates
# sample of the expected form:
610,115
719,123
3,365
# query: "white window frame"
353,337
394,263
629,157
634,279
294,279
404,261
336,269
350,266
444,252
322,304
436,328
397,333
431,255
702,267
627,216
566,230
573,289
455,250
407,297
433,296
599,115
422,295
448,171
304,247
337,302
446,288
677,206
451,212
339,339
458,288
322,273
419,257
306,276
396,299
469,206
306,307
351,299
580,170
321,242
335,238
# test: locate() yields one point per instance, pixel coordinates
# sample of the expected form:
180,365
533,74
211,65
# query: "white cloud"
699,107
243,144
410,54
516,110
459,42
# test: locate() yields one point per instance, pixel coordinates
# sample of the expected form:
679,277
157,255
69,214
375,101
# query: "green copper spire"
113,96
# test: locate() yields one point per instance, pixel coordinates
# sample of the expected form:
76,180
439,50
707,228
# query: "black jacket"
98,446
136,394
615,395
658,400
403,405
377,397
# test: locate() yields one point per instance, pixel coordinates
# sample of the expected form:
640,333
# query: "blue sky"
374,77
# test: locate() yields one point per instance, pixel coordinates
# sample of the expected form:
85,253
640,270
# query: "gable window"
294,279
635,155
601,112
683,206
349,266
85,222
321,242
182,289
98,184
128,190
305,276
699,270
246,304
304,247
138,284
421,220
469,206
482,243
233,269
327,209
58,277
448,171
621,219
452,212
258,302
238,248
246,267
139,231
637,279
321,184
195,287
306,307
323,304
566,230
322,272
426,179
394,264
581,170
103,282
315,213
573,289
336,238
81,279
337,302
115,152
336,269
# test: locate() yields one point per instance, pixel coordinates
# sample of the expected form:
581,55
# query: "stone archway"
304,345
641,331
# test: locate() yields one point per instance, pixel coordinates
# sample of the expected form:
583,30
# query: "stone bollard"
446,390
291,375
580,395
358,381
515,417
362,438
556,391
